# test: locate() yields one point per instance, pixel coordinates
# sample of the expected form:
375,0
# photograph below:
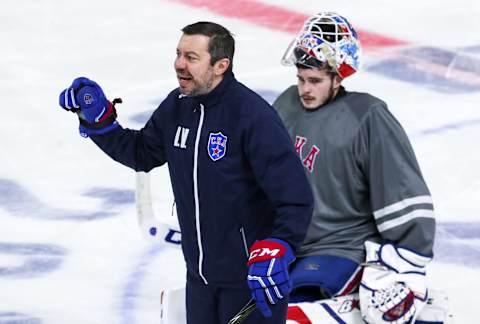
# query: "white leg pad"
328,311
346,310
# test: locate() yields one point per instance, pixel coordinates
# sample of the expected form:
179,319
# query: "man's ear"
221,66
337,81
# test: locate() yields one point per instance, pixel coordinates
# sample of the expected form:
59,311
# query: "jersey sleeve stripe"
393,208
417,213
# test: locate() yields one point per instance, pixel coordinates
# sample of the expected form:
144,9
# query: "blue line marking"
448,249
462,230
17,318
447,127
134,281
268,95
19,202
111,196
442,70
471,49
38,259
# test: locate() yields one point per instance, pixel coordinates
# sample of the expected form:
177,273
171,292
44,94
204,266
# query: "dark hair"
221,45
306,61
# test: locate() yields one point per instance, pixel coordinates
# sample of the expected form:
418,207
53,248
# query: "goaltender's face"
196,76
316,87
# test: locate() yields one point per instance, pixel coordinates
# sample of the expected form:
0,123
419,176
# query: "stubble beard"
325,100
329,97
203,85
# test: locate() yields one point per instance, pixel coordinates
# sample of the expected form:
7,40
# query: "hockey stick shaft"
152,229
243,313
143,198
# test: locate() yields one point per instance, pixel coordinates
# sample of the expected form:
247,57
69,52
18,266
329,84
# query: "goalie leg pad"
346,310
336,310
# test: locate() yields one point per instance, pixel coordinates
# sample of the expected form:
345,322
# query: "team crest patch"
217,146
88,98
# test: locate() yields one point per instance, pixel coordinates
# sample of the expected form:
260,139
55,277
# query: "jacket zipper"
195,193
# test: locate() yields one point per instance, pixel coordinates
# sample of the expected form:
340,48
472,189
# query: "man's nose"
306,88
179,63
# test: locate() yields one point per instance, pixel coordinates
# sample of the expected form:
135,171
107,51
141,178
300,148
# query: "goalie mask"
326,40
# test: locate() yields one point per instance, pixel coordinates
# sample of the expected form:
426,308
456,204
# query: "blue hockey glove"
268,276
86,98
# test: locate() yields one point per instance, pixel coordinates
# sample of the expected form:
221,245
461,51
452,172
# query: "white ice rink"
70,248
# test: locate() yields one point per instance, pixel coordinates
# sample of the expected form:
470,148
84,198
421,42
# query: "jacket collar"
214,96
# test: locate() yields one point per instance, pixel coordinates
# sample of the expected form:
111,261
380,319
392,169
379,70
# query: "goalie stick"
152,229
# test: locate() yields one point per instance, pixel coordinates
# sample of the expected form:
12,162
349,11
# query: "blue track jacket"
235,175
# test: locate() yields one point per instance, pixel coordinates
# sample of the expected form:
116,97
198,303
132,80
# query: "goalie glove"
393,288
268,277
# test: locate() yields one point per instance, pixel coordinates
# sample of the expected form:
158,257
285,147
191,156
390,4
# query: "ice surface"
70,247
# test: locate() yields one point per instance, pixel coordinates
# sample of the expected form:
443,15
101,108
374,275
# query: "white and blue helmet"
326,40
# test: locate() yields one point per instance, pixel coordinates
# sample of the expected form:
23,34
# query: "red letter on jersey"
299,143
310,159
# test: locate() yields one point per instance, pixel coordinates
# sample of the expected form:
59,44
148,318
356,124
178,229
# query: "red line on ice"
278,18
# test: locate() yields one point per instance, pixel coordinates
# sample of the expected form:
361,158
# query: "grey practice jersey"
365,178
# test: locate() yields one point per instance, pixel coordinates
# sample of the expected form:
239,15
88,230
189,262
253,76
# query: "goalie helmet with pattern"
326,40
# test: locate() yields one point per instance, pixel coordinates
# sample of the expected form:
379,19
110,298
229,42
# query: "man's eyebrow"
188,52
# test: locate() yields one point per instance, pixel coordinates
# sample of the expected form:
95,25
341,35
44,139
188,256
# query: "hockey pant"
323,276
213,304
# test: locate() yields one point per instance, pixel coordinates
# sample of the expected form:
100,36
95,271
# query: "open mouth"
183,80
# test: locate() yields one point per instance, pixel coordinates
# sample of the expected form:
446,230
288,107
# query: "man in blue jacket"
243,199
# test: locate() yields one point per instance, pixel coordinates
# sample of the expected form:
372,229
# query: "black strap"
104,123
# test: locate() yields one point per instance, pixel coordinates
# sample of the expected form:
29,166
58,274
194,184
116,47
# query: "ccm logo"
263,252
